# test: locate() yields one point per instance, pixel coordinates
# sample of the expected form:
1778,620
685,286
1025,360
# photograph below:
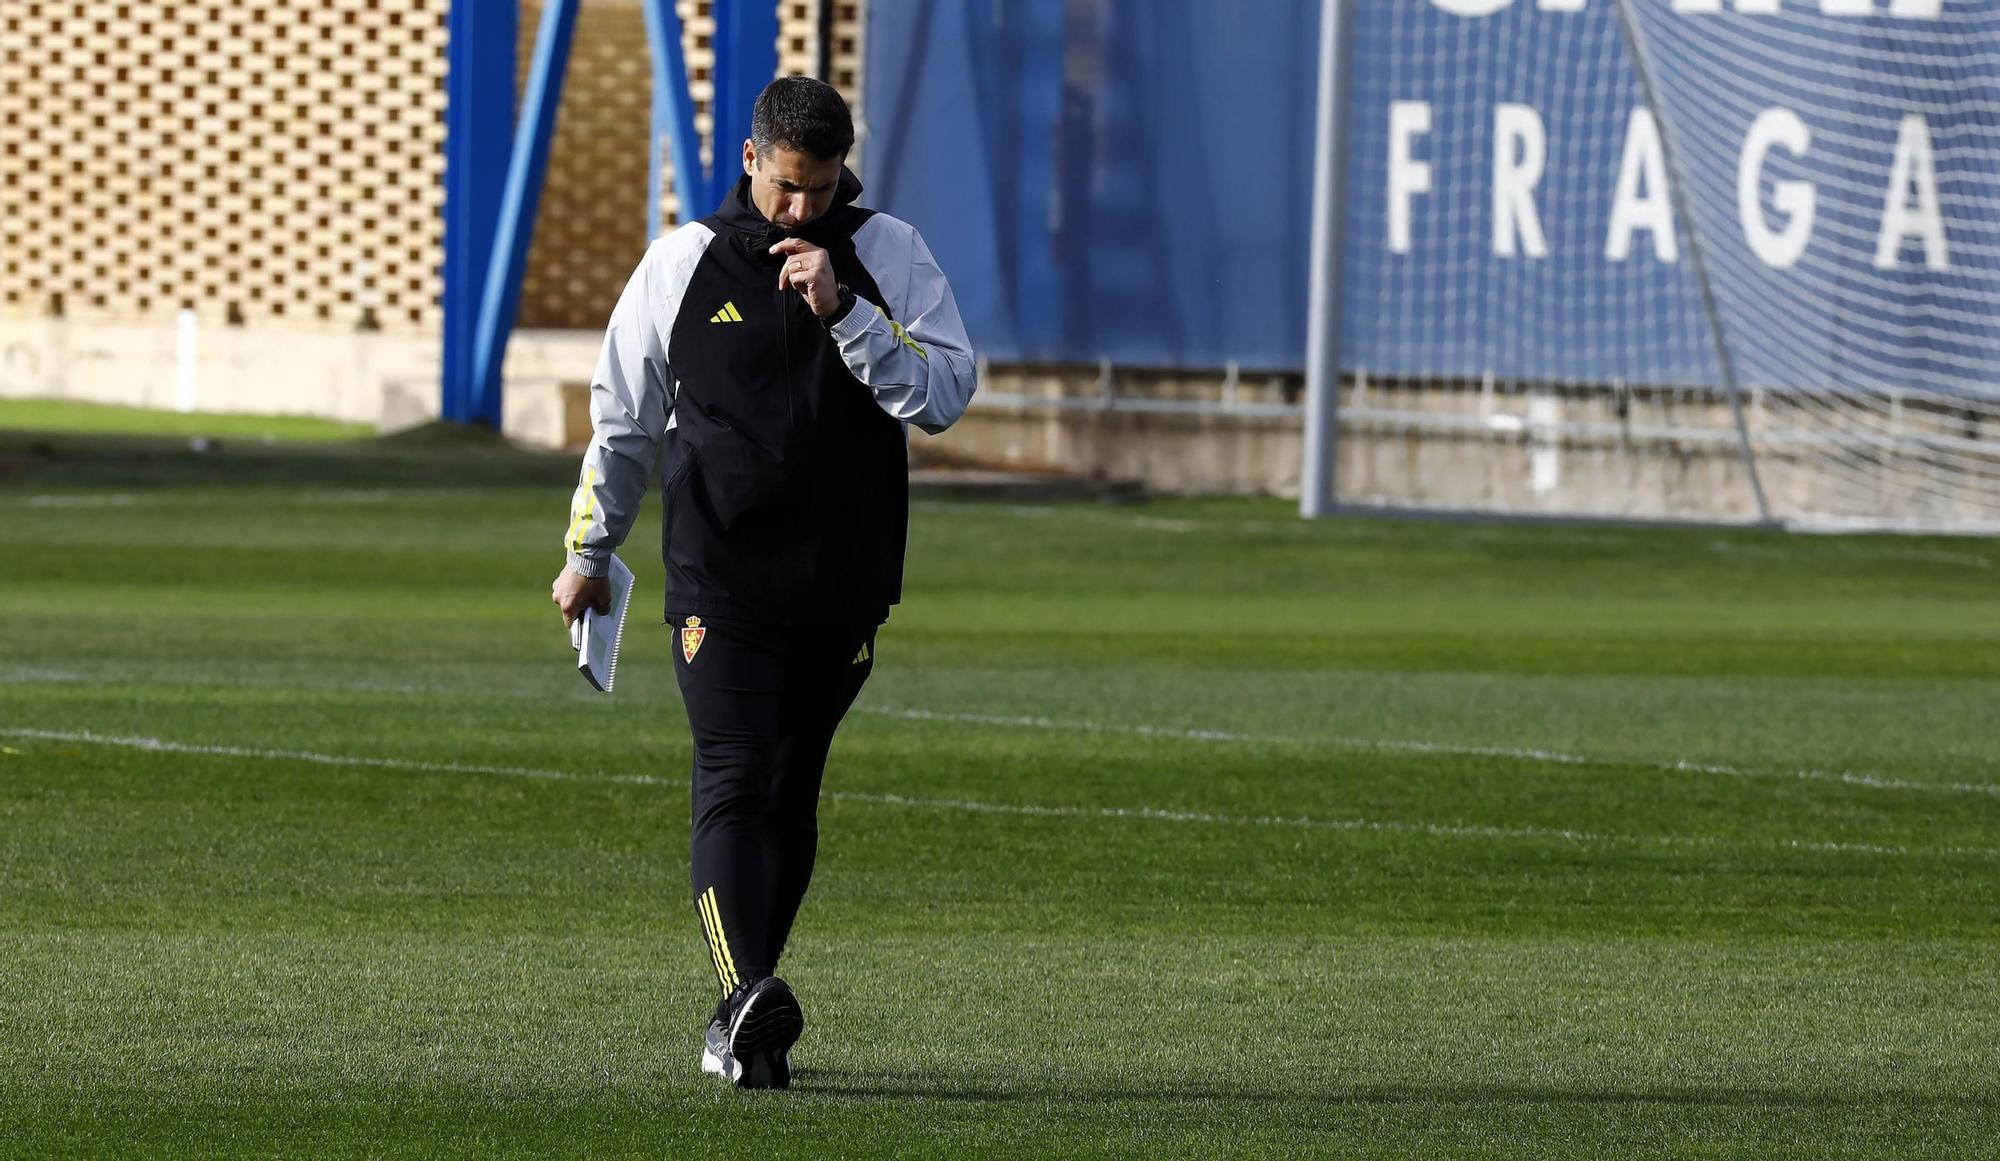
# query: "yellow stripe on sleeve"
585,504
909,342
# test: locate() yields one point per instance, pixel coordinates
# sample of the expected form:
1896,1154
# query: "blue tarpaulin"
1104,178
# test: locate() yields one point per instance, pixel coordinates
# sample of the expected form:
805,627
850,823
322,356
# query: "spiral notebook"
595,636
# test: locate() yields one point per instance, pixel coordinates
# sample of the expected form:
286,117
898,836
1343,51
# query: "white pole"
1323,278
184,360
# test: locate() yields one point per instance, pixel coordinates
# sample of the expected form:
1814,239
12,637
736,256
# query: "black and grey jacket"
779,439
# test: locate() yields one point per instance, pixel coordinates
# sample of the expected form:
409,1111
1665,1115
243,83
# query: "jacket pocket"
739,482
669,493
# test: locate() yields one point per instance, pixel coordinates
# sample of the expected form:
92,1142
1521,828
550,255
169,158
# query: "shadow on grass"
883,1085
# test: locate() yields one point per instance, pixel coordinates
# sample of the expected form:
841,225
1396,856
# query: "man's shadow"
877,1084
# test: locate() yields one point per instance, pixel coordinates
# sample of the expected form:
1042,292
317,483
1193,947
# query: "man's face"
790,187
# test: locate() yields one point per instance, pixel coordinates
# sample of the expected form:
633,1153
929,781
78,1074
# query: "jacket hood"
740,213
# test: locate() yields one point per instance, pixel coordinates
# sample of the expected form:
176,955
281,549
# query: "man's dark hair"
803,114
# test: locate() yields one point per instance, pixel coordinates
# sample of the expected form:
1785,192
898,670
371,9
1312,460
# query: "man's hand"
573,593
809,271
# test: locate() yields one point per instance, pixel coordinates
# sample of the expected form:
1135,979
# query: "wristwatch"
847,301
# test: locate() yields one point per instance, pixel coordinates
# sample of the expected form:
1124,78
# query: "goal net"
1676,258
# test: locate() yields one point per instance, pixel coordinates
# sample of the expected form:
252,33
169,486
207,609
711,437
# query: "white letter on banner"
1517,129
1900,219
1775,248
1561,5
1757,7
1644,163
1697,6
1847,7
1916,9
1408,177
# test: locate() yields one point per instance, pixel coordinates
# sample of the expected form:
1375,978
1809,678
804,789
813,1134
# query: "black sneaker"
750,1040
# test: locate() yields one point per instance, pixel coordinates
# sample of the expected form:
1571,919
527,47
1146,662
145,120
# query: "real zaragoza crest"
691,638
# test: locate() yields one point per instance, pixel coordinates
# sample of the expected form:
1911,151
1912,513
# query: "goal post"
1323,323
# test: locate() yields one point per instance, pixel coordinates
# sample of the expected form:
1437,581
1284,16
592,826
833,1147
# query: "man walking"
764,362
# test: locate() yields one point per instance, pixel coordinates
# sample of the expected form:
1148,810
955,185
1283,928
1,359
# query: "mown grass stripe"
1409,746
1143,730
1438,830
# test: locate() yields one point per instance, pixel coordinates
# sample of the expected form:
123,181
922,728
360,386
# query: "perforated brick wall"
273,162
798,47
592,226
280,162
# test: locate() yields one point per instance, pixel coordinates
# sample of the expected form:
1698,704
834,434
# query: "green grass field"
1181,829
49,415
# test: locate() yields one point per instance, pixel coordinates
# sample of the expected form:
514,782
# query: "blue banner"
1129,180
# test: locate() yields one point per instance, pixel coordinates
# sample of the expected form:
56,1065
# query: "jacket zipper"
791,393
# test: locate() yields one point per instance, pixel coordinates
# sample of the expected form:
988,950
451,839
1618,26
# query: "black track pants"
762,703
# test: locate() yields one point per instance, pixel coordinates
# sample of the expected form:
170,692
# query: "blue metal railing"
495,167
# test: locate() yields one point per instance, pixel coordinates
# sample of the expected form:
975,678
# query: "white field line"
1175,733
1143,813
116,676
162,746
1441,830
39,677
1408,746
186,500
